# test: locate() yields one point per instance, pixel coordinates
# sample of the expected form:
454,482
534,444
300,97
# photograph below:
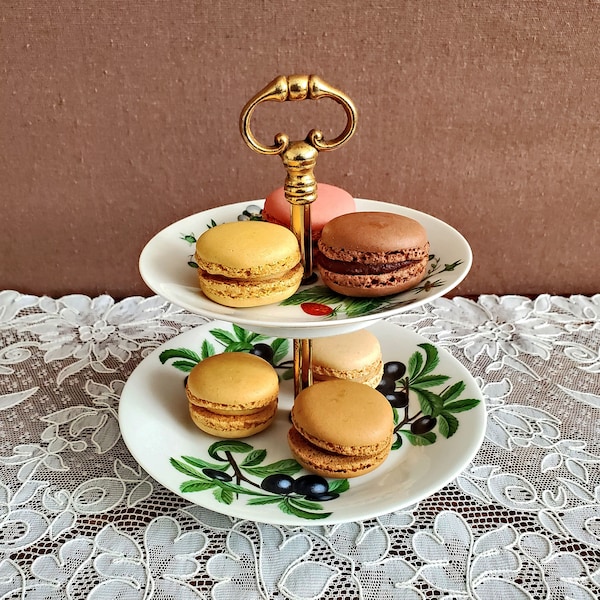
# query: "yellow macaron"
233,394
248,263
355,356
340,428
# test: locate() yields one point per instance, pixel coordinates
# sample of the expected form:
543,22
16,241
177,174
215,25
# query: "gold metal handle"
297,87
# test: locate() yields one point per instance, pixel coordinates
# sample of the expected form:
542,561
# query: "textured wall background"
118,118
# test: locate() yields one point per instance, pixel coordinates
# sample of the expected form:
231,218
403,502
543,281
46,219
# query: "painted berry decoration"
398,399
313,485
316,309
266,483
394,369
216,474
263,351
278,483
423,425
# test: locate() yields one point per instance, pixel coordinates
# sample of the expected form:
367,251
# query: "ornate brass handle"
297,87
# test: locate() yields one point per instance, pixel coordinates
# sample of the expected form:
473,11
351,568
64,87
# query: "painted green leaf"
203,464
415,363
430,403
304,503
447,424
461,405
196,485
339,485
227,446
235,488
258,501
432,358
429,381
223,336
317,293
287,466
184,365
242,334
166,355
354,307
223,494
256,337
452,266
287,374
207,349
280,348
239,347
185,468
254,458
397,443
454,391
288,506
424,439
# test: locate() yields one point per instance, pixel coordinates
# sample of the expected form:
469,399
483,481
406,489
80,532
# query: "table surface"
80,519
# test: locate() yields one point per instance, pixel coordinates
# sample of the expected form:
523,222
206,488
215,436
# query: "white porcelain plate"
166,265
230,476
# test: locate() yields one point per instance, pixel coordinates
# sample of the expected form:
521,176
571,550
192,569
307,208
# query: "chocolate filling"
358,268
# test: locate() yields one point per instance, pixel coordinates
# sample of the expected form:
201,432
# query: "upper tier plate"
314,311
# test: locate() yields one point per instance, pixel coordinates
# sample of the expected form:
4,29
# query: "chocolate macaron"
369,254
340,428
355,356
248,263
233,394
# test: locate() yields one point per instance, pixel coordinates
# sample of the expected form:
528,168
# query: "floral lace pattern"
79,518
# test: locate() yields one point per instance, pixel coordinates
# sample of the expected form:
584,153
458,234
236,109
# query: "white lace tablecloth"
80,519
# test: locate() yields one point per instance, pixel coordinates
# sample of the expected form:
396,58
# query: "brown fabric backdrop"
120,117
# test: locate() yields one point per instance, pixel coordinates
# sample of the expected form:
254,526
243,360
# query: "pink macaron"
331,202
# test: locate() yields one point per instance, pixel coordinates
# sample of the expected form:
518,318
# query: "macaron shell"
343,417
232,426
247,250
355,356
331,202
238,381
377,233
332,465
238,293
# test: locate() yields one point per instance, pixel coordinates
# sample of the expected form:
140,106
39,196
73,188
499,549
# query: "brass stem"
303,375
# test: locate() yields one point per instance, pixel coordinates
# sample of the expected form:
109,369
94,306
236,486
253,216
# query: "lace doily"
80,519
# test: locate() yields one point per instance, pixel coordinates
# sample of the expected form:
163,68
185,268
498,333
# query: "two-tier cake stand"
438,408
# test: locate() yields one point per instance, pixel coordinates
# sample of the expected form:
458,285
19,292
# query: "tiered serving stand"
153,412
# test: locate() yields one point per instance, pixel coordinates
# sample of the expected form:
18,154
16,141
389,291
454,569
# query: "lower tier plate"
436,435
